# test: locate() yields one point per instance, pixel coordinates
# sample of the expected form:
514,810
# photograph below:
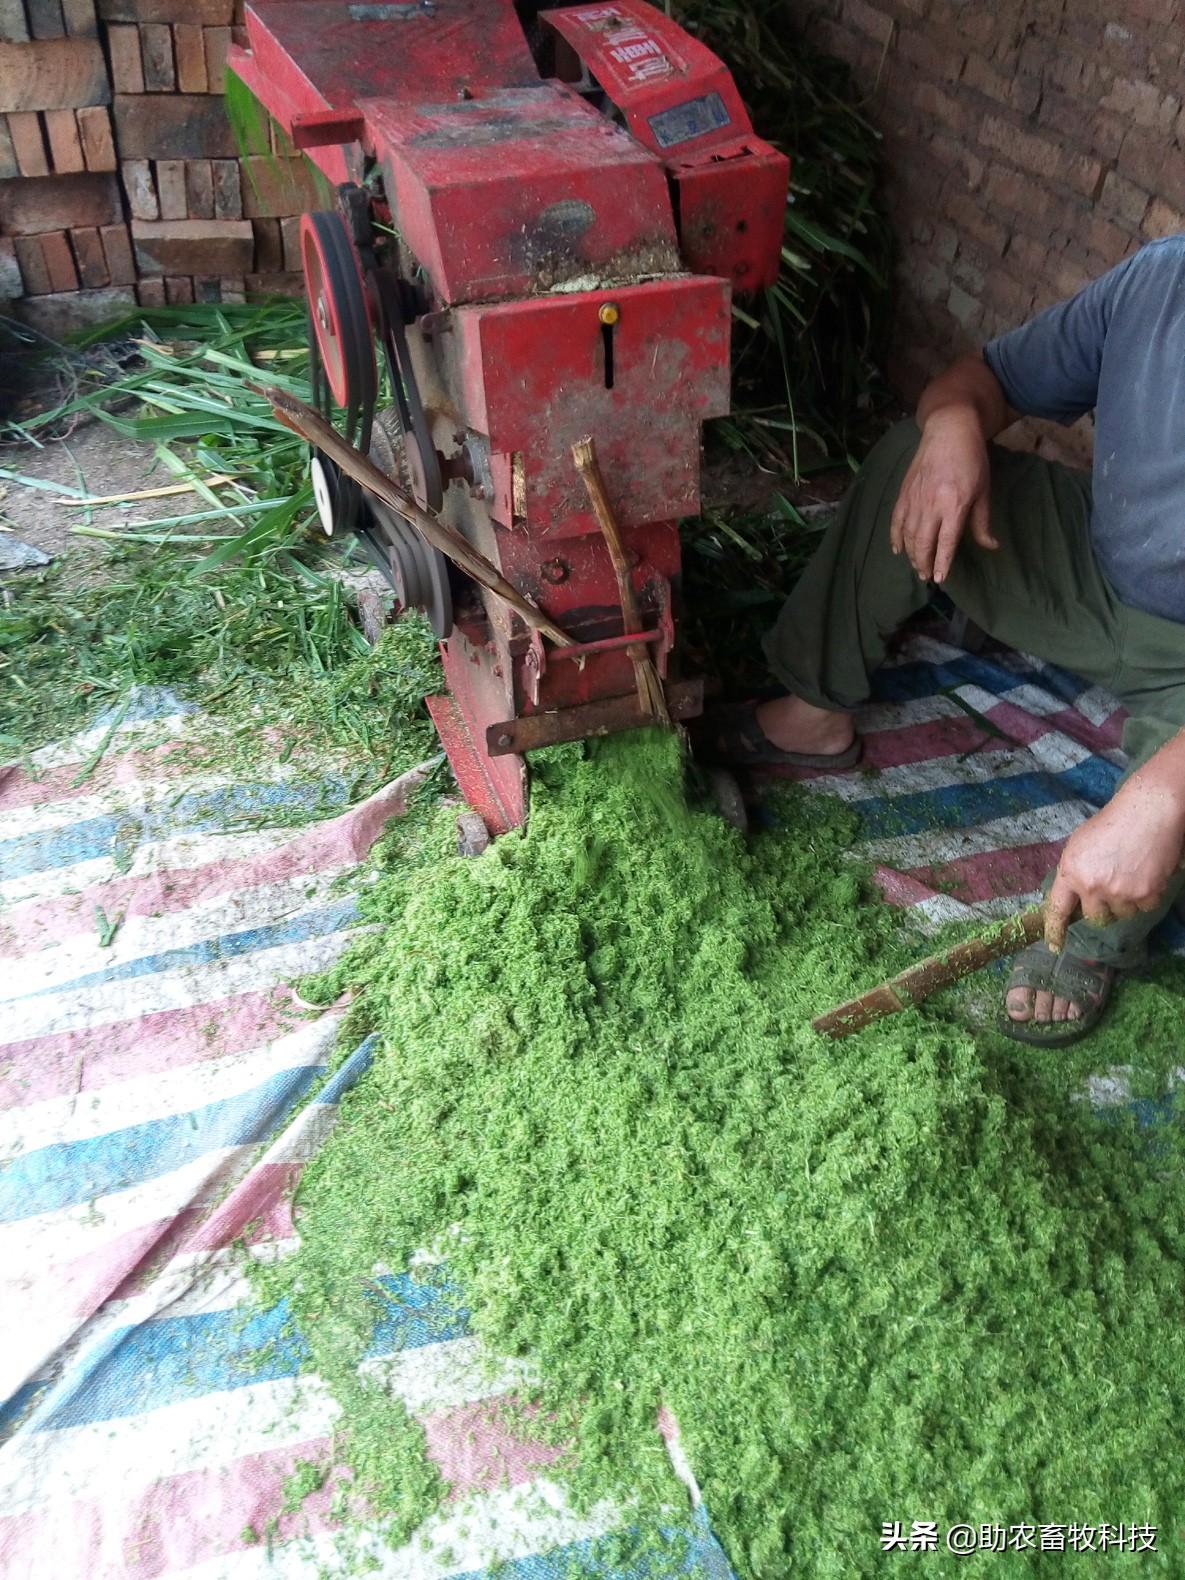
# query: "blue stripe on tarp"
213,951
67,1173
191,812
967,805
690,1550
919,678
19,1404
171,1359
147,702
352,1070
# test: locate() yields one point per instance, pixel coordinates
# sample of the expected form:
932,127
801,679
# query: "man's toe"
1019,1003
1043,1005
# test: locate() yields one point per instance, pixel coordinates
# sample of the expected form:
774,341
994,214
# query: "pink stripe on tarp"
991,874
960,735
95,1056
115,771
898,888
257,1212
342,841
479,1446
175,1523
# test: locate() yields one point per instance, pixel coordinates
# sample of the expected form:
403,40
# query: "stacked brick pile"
1031,144
120,180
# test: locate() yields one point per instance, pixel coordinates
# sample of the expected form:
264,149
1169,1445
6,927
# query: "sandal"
1087,983
733,735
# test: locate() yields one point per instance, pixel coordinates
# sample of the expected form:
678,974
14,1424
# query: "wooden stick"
651,697
912,986
303,420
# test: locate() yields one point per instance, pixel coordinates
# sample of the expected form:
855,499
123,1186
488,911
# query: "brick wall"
1031,145
119,175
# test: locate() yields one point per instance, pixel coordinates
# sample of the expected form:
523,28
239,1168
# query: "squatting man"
1087,572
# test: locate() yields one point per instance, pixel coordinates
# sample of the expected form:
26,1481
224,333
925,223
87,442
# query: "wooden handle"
918,982
303,420
651,696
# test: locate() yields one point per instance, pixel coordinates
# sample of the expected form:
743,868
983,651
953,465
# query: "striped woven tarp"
154,1085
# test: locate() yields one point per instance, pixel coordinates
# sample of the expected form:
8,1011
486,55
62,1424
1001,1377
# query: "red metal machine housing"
543,237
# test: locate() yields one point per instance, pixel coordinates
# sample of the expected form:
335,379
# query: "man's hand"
1121,860
947,489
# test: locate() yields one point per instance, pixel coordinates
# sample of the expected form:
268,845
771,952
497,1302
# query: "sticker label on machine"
682,122
642,57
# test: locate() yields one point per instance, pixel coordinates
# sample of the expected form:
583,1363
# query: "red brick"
45,18
98,145
233,288
199,189
1019,92
79,17
1162,220
273,188
269,251
170,188
28,144
59,261
179,290
28,206
930,100
65,145
263,285
1149,163
117,249
1027,256
127,72
1008,295
156,53
198,246
32,264
918,46
14,24
89,256
11,284
867,19
140,187
1142,103
228,192
190,50
53,74
290,239
172,126
1041,156
964,307
216,43
1123,198
972,218
204,12
151,293
1109,242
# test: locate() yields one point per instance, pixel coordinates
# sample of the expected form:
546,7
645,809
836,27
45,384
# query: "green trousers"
1041,591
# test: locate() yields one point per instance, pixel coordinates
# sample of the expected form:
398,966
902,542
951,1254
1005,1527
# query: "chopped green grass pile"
277,664
909,1276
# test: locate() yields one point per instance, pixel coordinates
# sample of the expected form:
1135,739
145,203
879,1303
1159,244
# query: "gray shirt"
1118,348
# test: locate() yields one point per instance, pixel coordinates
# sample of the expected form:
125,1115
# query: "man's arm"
948,486
1121,860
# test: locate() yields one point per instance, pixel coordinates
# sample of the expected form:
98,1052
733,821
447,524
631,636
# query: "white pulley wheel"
322,496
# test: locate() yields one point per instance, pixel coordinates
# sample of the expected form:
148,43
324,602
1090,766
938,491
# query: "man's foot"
797,726
738,735
1054,999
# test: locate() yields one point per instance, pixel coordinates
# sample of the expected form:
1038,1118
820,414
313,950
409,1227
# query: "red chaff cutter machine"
541,225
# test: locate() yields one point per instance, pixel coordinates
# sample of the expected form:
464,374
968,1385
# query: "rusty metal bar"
685,699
